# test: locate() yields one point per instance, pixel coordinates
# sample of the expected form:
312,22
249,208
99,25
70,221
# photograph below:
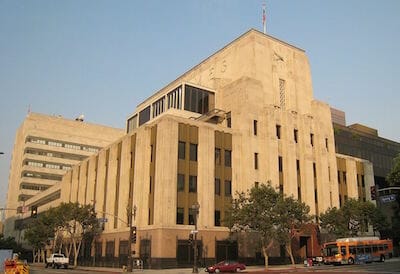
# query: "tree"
353,219
274,217
69,222
394,175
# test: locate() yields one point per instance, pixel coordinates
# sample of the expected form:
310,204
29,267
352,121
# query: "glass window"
181,150
180,213
193,152
255,160
217,156
228,188
278,131
192,183
197,100
280,164
217,186
296,135
217,218
228,160
255,127
312,139
144,116
228,120
181,183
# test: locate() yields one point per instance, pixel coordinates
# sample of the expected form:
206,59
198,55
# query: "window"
151,153
316,195
344,177
228,160
280,164
192,183
296,135
314,170
298,165
255,127
228,120
144,115
181,183
180,213
255,160
57,144
175,98
312,139
158,107
198,100
278,131
228,188
181,150
217,156
338,177
282,90
326,144
217,218
256,184
217,186
193,152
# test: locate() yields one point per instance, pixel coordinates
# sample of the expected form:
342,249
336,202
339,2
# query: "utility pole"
132,233
195,208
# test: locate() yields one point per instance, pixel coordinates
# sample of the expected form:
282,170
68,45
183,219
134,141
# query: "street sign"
194,231
103,220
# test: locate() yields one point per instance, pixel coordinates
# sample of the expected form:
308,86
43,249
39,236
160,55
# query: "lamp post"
132,233
195,208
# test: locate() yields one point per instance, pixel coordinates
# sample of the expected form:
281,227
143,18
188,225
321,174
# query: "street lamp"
132,233
195,208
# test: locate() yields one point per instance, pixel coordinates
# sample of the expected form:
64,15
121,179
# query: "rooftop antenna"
264,18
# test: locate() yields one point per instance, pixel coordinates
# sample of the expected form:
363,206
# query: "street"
388,267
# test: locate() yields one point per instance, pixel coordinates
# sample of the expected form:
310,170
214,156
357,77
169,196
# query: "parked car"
57,260
226,266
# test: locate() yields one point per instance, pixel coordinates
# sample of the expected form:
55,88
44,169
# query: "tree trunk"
265,253
290,252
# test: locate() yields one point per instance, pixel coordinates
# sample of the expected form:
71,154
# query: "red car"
225,266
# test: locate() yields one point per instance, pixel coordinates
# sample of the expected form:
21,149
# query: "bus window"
367,249
330,250
352,250
374,248
360,250
381,248
343,250
385,246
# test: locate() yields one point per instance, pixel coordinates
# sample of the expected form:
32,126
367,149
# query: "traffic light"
133,234
191,238
33,211
373,193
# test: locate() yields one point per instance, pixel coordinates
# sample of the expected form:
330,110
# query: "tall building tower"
45,148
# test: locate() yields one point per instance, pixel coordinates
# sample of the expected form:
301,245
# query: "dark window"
217,218
298,165
181,182
192,183
180,213
255,160
255,127
326,144
228,120
151,153
362,181
338,177
296,135
344,177
150,185
256,184
228,188
181,150
312,139
278,131
314,170
197,100
299,194
193,152
316,195
217,186
144,116
280,164
228,160
217,156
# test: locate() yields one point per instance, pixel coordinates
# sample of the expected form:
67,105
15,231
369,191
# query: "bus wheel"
382,258
351,260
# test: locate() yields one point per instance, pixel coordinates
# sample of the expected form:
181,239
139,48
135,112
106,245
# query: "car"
226,266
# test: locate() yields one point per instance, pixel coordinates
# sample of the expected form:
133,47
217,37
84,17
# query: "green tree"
394,175
274,217
353,219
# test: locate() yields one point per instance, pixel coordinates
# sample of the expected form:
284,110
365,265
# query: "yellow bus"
357,250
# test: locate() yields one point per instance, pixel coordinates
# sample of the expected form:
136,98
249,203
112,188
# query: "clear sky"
102,58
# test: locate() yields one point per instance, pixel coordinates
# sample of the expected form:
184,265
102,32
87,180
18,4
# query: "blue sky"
102,58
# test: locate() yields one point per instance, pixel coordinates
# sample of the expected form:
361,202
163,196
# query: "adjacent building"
45,148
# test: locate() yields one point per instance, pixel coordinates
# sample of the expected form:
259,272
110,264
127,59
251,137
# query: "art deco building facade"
45,148
244,116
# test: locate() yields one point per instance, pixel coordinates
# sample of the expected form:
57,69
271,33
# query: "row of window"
47,165
55,154
193,185
182,151
33,187
295,134
180,216
54,143
42,176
